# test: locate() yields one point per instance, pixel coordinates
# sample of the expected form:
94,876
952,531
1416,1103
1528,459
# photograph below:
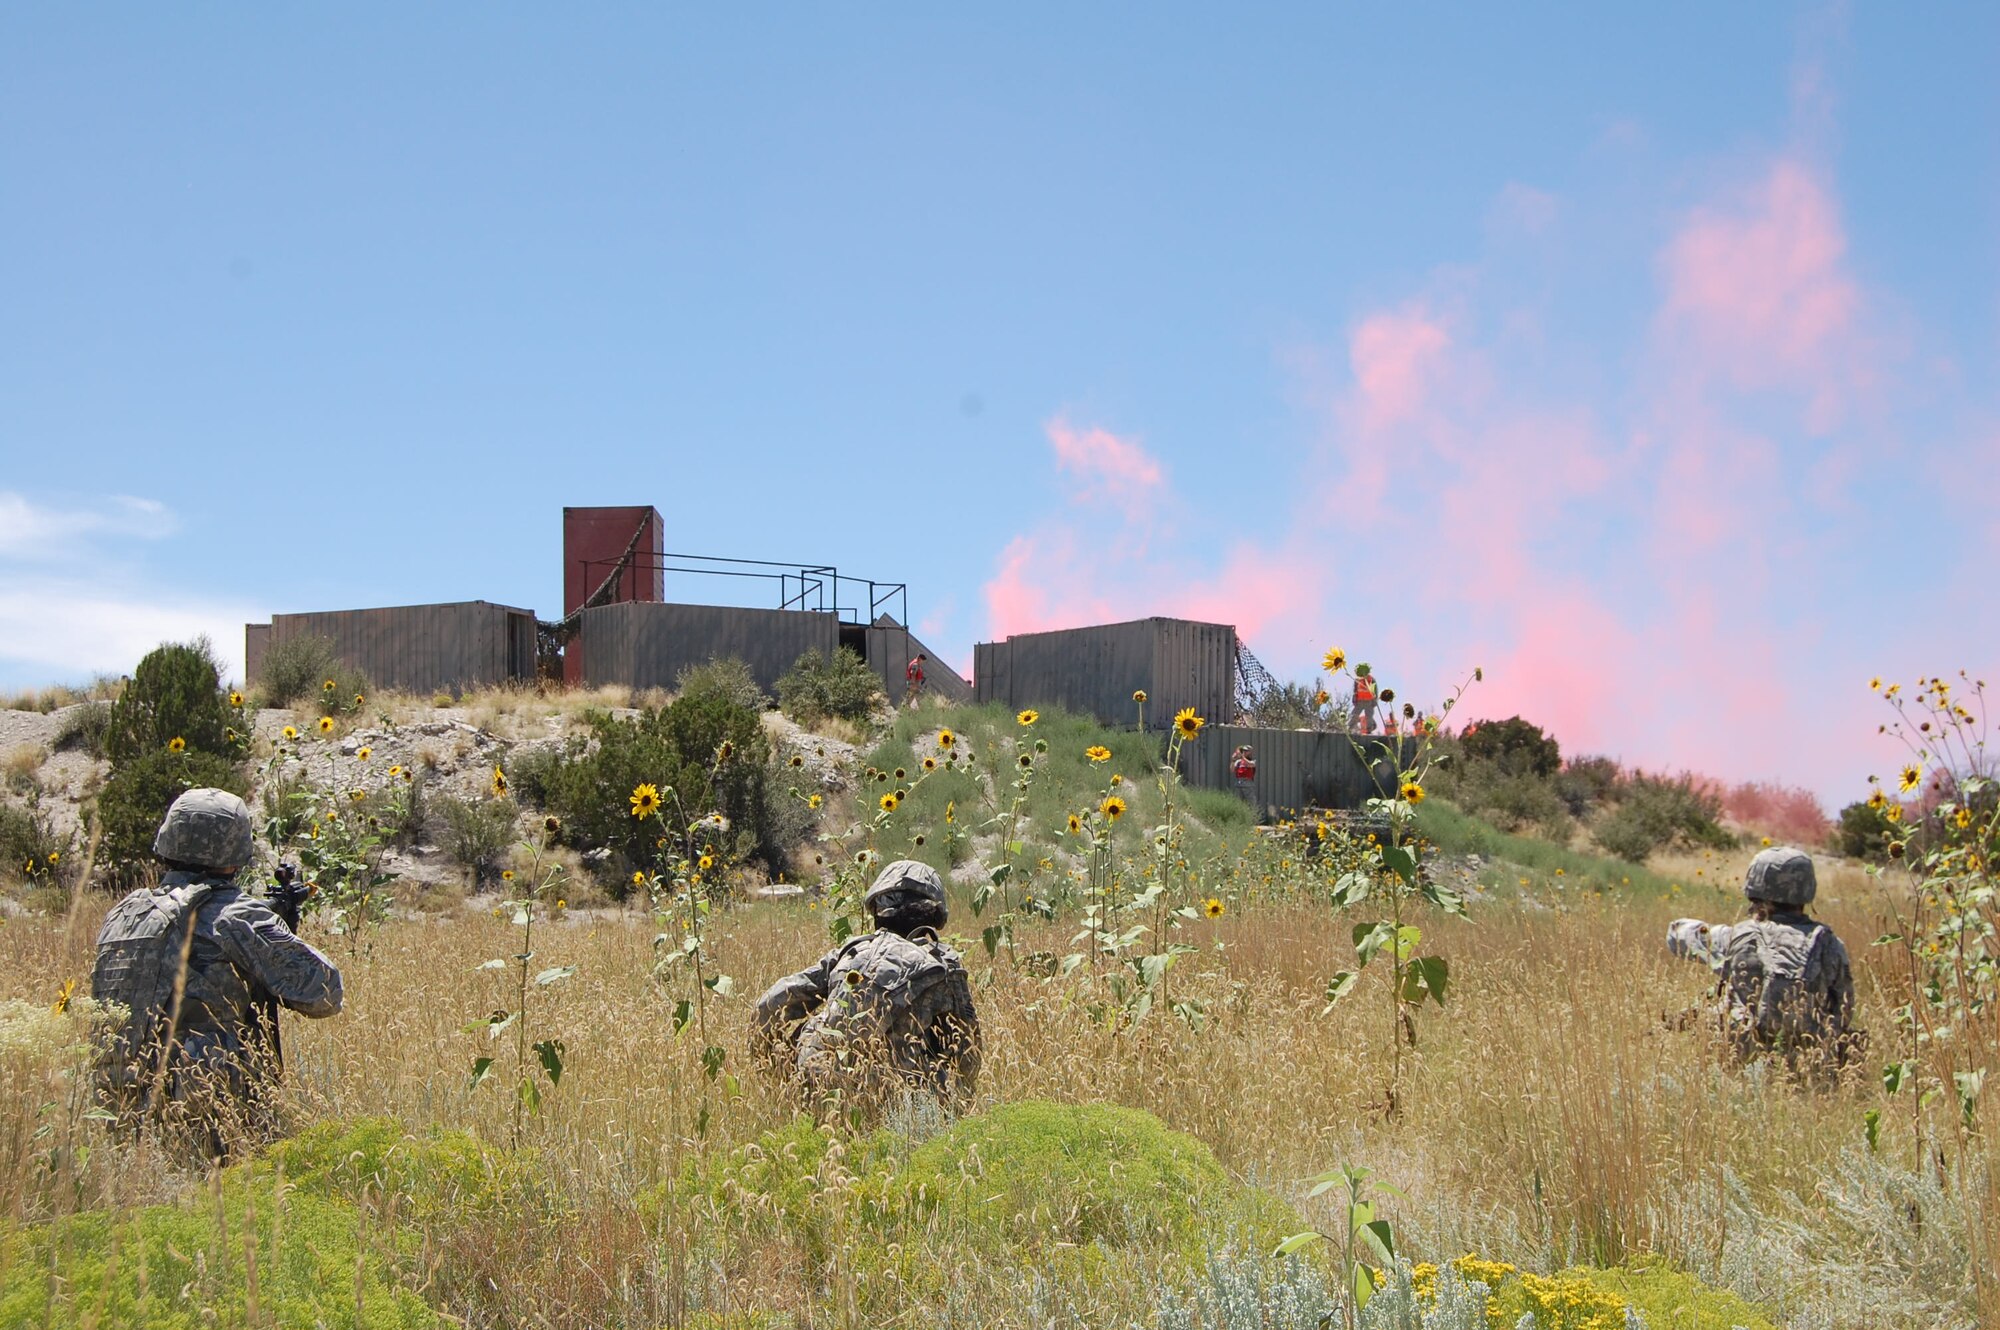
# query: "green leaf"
722,986
1375,1233
1407,938
481,1069
1401,862
1352,889
555,974
1001,873
1014,847
711,1060
683,1013
1340,986
550,1051
1364,1286
1298,1242
990,936
531,1094
1894,1075
1426,977
1371,938
1887,938
1152,969
1871,1127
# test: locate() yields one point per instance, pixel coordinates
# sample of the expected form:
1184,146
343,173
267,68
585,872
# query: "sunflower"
364,752
357,795
1097,753
1113,807
724,752
1412,792
506,875
645,800
326,725
1188,723
177,745
814,801
1139,696
901,773
1875,684
1075,824
1322,697
950,811
1767,842
797,761
1027,760
328,686
1212,907
291,731
55,856
1028,717
889,802
1911,778
1334,661
1117,779
1876,800
946,739
63,995
396,770
1895,813
638,878
235,698
1962,818
930,764
499,782
707,862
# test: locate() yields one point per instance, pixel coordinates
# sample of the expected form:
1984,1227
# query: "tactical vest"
141,965
883,994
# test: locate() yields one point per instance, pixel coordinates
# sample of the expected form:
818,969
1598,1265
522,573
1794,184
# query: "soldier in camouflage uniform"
884,1014
197,963
1783,980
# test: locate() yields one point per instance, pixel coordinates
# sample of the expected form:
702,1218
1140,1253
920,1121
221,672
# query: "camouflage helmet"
906,875
1783,876
208,828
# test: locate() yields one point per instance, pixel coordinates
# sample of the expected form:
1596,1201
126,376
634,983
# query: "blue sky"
1644,357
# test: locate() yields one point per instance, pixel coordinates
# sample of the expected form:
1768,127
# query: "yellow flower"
930,764
1767,842
1911,778
506,875
1322,697
797,761
1877,799
357,795
1212,907
638,878
499,782
358,699
1028,717
1875,684
1116,779
1334,661
235,698
364,753
1895,813
327,686
726,751
946,739
561,904
1097,753
326,725
889,802
1188,723
396,770
950,810
1973,863
177,745
1412,792
63,995
645,800
1139,696
55,856
1113,807
707,862
1962,818
814,801
291,731
1075,824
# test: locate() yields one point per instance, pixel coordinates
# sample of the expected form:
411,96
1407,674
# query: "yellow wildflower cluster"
1559,1302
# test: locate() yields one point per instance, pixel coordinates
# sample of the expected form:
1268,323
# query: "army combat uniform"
195,962
882,1014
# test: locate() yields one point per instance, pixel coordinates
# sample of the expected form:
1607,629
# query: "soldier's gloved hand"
288,895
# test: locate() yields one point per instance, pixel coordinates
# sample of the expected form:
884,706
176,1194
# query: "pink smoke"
1108,467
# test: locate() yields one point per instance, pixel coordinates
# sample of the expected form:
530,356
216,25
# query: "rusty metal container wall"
1095,670
592,539
647,645
417,648
1296,769
256,637
1194,665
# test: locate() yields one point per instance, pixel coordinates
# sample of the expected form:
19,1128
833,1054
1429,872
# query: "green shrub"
31,852
295,672
183,1267
1862,834
380,1163
176,693
1584,783
475,833
1035,1176
1220,810
1654,812
727,678
84,726
530,771
1670,1299
819,686
1513,744
674,748
138,793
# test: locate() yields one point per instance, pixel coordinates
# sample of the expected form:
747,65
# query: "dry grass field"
1559,1110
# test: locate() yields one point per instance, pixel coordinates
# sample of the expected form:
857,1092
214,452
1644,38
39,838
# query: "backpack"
1788,1010
884,992
142,956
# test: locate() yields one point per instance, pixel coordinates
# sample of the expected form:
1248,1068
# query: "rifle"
286,897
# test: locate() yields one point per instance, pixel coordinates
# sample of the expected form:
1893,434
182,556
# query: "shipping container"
1177,663
414,648
1296,769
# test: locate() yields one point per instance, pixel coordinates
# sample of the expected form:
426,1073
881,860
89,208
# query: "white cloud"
39,533
57,630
